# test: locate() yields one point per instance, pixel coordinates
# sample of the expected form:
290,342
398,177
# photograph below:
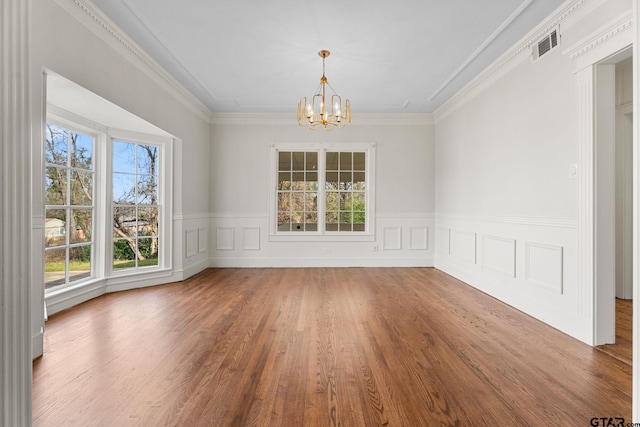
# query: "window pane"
55,267
56,145
148,252
332,202
81,151
79,263
312,161
284,202
345,161
345,227
297,181
346,217
332,217
124,188
297,161
359,163
55,228
331,182
81,188
345,180
311,202
297,221
284,181
147,159
312,177
148,221
81,225
147,191
284,221
284,161
124,157
124,254
124,222
331,227
332,162
56,186
358,180
347,202
297,201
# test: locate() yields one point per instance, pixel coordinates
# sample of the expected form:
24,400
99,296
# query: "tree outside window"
135,205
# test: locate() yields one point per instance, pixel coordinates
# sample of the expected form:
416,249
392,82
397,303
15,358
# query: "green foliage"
122,250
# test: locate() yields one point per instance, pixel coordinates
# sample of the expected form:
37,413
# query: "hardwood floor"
622,349
324,346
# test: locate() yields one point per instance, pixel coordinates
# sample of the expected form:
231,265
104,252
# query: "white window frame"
369,148
102,256
74,123
165,148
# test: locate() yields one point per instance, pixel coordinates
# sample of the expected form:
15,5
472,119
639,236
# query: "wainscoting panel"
499,254
251,238
443,240
543,265
528,263
225,240
463,245
190,243
392,238
203,240
245,240
419,238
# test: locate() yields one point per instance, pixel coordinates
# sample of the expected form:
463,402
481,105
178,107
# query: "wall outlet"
375,247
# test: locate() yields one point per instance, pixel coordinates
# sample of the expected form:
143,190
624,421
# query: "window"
104,203
324,191
69,206
135,205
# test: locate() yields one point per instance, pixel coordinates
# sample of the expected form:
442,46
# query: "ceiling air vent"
545,44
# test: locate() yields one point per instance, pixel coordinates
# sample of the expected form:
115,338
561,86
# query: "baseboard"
319,262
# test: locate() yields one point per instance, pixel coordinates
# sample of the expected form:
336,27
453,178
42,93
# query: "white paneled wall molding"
241,240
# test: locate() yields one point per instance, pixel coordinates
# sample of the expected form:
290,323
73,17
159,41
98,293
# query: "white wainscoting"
443,240
419,238
499,254
392,238
543,265
400,240
463,245
528,263
190,243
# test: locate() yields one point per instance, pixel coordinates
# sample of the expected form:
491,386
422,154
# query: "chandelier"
317,112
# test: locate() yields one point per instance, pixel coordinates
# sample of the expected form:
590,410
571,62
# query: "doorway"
613,204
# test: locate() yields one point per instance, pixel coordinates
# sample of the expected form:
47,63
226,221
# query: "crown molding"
513,57
362,119
89,15
618,31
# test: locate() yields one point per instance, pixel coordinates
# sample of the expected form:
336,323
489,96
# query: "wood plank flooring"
317,347
622,349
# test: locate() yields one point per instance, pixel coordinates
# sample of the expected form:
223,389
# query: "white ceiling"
386,56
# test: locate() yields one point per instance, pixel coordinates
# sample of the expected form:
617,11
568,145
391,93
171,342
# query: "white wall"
75,41
507,188
404,192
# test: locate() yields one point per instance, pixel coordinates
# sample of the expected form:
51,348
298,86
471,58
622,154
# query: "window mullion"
321,191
